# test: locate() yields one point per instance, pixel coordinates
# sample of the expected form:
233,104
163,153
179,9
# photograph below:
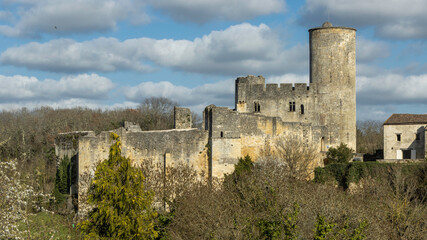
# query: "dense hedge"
345,173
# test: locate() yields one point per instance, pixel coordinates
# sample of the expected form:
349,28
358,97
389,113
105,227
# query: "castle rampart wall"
237,134
184,145
163,146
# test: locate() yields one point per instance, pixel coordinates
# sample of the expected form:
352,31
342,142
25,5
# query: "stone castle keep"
322,113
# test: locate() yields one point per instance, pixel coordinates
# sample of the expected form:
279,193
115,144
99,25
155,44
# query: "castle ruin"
322,113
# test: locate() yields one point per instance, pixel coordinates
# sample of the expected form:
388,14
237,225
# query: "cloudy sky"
115,53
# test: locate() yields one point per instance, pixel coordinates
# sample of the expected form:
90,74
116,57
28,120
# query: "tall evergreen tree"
122,207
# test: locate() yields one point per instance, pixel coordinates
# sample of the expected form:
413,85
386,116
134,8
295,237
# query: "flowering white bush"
17,199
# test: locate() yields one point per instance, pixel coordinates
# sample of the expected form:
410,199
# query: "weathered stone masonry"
322,113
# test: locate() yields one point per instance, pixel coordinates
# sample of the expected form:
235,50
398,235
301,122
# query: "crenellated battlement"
246,89
251,79
290,101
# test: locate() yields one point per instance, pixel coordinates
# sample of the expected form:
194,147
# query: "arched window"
302,108
222,134
322,144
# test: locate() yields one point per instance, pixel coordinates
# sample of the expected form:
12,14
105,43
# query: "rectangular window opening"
398,137
257,107
291,106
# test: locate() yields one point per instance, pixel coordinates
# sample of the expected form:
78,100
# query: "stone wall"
182,118
67,144
408,140
235,135
183,145
165,147
291,102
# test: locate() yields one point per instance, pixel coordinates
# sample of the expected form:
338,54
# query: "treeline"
29,135
369,136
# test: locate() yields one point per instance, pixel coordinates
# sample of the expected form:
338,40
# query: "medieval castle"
322,113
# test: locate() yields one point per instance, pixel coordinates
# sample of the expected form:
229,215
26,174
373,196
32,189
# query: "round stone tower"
333,71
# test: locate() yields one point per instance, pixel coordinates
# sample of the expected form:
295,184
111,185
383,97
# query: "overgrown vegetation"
297,157
18,201
122,207
343,174
262,203
62,180
266,203
340,154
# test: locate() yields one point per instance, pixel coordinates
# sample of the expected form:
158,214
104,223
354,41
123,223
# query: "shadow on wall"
415,150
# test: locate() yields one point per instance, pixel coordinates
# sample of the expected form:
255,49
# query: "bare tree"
157,113
297,157
369,136
197,120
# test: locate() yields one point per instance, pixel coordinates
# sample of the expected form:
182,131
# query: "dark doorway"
406,154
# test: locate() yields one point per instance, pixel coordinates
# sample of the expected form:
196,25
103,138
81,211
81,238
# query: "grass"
44,225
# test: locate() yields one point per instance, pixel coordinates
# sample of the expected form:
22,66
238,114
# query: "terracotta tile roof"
399,119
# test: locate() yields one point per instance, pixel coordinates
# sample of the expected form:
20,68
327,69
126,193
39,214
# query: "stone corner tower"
333,71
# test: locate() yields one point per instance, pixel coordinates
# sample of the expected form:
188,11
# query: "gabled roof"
401,119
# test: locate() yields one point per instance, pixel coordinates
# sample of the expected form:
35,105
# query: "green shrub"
243,167
122,206
330,230
332,172
346,173
341,154
285,228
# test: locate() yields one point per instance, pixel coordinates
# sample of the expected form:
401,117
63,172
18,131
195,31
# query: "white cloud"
399,19
369,70
66,55
391,89
205,10
5,15
288,78
66,103
65,17
239,49
374,112
84,86
220,93
368,51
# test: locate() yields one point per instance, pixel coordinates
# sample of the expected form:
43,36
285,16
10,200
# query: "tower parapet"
250,91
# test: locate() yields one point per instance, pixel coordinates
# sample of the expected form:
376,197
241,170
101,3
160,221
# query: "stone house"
405,136
322,113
